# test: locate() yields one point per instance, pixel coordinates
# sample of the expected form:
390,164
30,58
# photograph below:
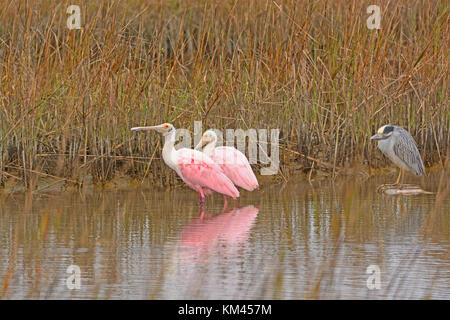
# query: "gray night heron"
399,146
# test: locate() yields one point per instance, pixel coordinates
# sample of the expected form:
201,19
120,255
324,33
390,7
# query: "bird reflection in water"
212,237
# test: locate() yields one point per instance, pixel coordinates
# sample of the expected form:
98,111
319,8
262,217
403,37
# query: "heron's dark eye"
388,129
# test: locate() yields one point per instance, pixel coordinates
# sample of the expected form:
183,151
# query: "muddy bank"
289,174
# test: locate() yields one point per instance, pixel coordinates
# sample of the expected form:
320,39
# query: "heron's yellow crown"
381,130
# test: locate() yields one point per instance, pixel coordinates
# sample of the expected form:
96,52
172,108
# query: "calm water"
291,241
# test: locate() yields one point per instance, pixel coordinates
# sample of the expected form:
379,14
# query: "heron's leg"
399,176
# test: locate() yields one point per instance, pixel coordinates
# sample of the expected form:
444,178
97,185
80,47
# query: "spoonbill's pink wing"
236,167
199,170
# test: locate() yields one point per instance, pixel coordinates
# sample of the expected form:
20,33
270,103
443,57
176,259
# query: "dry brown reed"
311,68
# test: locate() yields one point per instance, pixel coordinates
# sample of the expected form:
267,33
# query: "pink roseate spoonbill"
195,168
232,161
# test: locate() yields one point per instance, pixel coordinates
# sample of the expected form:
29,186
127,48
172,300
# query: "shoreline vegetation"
47,184
312,69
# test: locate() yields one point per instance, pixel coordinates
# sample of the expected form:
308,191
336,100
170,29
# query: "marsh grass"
311,68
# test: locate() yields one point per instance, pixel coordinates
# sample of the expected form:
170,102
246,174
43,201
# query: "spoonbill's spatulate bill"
232,161
196,169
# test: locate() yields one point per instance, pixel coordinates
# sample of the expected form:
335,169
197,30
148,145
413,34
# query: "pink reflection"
217,236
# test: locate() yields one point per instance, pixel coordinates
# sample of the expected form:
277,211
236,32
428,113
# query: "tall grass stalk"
311,68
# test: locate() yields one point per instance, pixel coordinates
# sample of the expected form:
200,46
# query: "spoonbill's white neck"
209,148
169,151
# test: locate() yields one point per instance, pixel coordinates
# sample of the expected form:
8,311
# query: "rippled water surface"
285,241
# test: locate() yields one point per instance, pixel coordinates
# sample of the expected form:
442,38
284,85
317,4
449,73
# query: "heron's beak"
377,137
157,128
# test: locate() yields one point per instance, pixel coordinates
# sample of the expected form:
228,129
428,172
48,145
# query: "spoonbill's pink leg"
201,197
239,202
225,203
202,214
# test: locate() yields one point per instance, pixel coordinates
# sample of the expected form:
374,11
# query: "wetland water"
291,241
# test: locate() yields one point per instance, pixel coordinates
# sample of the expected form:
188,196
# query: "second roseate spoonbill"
196,169
233,162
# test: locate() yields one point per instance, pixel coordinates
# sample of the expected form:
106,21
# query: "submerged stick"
405,189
